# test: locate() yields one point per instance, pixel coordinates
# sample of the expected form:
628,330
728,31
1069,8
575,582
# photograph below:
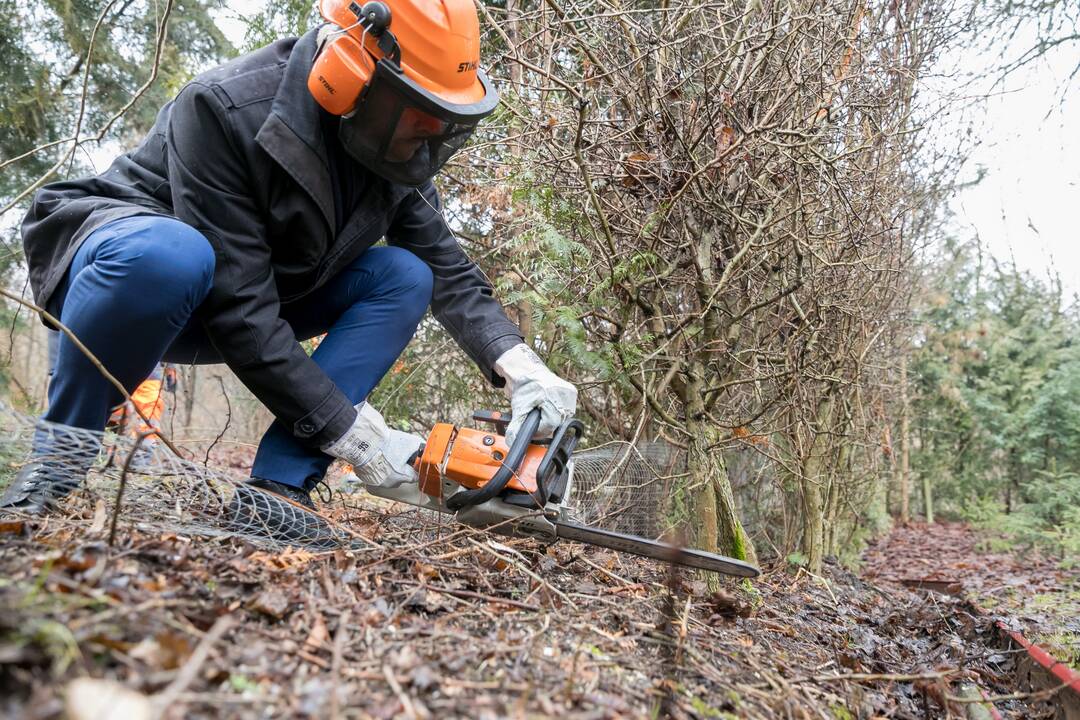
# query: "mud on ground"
1032,592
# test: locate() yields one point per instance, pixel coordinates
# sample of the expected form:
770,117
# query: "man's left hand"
530,385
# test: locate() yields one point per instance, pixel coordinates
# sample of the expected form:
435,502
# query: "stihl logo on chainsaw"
463,67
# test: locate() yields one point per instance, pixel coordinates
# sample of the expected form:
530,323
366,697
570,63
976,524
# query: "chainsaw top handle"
514,456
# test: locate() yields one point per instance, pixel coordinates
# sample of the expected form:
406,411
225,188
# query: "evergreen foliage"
50,72
997,403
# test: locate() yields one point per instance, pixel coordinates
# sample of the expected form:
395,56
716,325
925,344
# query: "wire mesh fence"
77,472
72,470
624,487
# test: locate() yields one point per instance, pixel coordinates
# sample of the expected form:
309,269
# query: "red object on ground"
1069,677
990,707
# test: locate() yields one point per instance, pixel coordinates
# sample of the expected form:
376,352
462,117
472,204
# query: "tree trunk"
718,526
188,388
812,480
813,511
893,482
813,538
905,443
832,509
928,500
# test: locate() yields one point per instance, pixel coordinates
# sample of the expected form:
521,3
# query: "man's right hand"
379,456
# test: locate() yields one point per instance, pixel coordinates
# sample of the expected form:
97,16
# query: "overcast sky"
1027,204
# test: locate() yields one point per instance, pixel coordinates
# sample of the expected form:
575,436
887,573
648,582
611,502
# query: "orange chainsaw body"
471,458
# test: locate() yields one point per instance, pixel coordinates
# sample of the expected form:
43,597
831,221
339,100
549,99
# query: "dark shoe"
40,485
59,461
257,510
297,495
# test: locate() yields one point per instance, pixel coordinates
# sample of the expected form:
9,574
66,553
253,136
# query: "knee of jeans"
411,275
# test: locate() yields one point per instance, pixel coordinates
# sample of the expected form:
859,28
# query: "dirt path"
1031,593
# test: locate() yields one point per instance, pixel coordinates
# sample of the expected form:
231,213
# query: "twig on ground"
475,596
406,703
123,482
521,566
340,638
166,699
1033,695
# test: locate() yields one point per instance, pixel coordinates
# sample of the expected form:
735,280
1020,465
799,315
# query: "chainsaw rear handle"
509,468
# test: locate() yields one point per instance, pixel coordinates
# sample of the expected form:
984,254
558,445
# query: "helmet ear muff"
341,71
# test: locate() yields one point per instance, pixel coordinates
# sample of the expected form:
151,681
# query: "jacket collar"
292,135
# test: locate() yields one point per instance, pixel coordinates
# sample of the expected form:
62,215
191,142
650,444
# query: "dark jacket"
239,155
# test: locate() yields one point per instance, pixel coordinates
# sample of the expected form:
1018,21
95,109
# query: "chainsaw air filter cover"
471,458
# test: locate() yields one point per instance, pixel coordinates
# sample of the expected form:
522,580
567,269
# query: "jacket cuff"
493,350
326,423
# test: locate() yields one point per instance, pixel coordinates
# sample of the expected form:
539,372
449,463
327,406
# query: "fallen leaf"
11,527
165,651
424,571
149,652
287,559
272,603
98,523
430,601
78,561
176,646
404,659
726,605
318,635
587,588
154,585
93,699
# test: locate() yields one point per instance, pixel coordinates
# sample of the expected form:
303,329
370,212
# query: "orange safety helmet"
404,77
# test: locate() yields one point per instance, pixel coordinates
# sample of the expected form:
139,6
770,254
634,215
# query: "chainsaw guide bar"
654,549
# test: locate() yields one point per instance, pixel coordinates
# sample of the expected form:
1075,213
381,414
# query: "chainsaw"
523,490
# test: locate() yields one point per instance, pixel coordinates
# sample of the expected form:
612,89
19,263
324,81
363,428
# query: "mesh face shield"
405,133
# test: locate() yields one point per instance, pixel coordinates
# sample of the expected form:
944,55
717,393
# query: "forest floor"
1033,593
437,620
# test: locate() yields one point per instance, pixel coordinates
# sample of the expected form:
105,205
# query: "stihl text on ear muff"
343,65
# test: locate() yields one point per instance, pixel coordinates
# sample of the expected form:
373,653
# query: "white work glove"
379,455
529,384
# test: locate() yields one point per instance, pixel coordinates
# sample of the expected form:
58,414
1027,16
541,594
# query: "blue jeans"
135,283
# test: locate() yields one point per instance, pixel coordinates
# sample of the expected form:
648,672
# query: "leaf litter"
1033,593
436,620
